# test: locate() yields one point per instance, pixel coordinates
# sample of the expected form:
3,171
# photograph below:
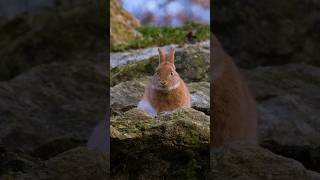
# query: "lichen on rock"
170,145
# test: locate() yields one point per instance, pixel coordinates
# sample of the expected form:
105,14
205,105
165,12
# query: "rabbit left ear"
171,56
162,56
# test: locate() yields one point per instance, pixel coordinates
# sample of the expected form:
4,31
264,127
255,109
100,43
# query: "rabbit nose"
163,82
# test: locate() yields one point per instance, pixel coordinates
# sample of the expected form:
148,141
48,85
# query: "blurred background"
10,8
168,12
141,24
53,88
276,44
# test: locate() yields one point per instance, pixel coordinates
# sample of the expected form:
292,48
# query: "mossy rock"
134,71
174,146
192,64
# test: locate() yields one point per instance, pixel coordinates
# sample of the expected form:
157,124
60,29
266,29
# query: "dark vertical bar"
54,89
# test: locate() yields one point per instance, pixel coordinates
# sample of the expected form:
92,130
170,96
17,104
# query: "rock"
55,147
242,161
136,123
313,175
269,32
126,95
122,25
53,101
57,35
288,110
171,146
79,163
11,162
133,71
192,63
124,58
200,96
52,92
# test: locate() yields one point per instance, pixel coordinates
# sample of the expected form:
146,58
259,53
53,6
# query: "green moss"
133,71
170,146
153,36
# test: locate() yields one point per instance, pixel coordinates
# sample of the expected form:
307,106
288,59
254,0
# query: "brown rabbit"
166,91
233,107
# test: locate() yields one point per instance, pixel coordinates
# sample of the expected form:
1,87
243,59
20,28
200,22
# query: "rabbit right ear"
162,56
171,56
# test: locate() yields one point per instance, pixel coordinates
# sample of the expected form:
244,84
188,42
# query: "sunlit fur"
233,109
165,73
166,91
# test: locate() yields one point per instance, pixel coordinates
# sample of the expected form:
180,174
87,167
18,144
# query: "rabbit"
233,106
166,91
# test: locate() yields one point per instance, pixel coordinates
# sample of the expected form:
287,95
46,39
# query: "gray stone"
288,110
251,162
52,101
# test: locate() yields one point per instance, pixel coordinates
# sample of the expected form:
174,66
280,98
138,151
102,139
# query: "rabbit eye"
171,73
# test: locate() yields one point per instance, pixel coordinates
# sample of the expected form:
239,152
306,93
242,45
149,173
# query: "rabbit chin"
175,86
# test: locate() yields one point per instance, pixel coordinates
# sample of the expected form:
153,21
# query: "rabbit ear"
162,56
171,56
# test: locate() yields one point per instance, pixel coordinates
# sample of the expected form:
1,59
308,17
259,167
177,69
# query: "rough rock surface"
40,105
277,41
79,163
250,162
170,146
269,32
58,35
44,115
53,89
288,110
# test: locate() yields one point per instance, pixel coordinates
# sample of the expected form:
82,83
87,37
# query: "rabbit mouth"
161,87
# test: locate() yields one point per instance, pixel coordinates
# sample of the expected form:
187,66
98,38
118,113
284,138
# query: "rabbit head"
165,78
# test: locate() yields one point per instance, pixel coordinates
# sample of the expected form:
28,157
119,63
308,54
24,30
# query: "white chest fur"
146,106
